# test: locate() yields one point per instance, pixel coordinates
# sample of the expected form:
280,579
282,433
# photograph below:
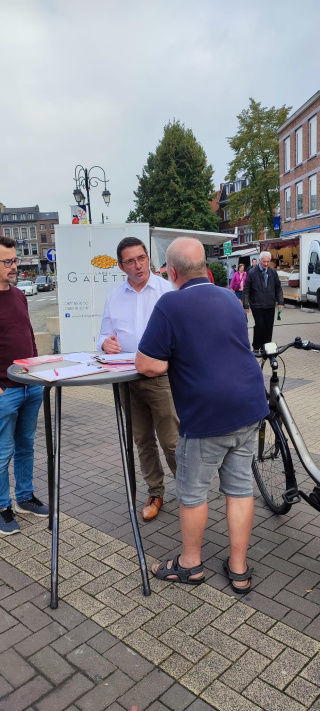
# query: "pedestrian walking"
238,281
262,291
231,271
253,264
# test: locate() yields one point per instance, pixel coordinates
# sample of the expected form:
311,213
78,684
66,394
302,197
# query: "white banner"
87,270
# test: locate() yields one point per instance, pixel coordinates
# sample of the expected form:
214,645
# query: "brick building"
299,153
34,233
242,230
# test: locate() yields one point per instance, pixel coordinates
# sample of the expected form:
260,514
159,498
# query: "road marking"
40,299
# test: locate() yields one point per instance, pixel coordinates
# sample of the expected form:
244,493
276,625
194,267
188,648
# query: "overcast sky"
95,81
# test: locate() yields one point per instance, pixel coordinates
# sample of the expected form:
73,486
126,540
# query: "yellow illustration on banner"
103,261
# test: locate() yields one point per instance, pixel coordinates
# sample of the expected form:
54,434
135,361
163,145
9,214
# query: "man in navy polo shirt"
199,334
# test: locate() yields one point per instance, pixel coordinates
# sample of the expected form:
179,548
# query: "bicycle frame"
277,402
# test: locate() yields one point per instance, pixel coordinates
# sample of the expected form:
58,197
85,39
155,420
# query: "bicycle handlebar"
297,343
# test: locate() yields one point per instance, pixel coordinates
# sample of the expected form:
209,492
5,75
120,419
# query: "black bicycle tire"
262,476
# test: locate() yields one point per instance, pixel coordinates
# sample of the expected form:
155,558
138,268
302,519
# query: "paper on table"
81,357
72,371
116,357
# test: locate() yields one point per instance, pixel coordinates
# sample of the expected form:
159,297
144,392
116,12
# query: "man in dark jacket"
261,292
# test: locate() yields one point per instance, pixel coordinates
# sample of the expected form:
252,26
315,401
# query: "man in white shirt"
126,314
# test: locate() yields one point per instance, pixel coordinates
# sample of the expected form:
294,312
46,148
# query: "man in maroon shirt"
19,404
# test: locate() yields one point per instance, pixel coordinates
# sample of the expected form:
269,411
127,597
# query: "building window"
299,146
227,214
227,189
34,248
52,226
43,239
30,216
15,233
287,155
237,186
13,217
6,233
312,193
42,227
32,231
313,136
248,234
287,202
44,254
53,239
299,199
22,216
23,231
25,250
5,218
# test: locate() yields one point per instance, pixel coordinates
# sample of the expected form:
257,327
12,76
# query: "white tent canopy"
161,237
244,252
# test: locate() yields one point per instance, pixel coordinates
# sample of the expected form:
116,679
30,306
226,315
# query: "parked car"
44,283
28,287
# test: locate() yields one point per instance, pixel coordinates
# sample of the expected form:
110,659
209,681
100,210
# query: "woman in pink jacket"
238,281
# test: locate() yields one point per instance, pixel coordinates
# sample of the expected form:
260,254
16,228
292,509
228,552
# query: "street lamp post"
84,179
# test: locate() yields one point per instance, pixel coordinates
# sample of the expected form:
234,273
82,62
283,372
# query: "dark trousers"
262,331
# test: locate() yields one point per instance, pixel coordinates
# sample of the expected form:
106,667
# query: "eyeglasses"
140,260
10,262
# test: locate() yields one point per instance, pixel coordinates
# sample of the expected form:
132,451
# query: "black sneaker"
8,525
32,506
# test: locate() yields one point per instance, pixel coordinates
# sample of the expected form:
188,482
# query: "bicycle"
272,463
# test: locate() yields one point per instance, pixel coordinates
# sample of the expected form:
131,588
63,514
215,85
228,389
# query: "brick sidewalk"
107,646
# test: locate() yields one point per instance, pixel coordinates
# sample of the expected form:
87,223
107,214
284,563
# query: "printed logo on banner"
103,261
79,214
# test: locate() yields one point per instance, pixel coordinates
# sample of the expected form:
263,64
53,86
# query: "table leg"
126,447
55,512
50,457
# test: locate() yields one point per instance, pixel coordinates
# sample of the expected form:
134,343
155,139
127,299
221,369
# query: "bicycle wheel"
270,464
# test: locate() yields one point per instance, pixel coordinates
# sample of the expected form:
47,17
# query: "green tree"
176,185
219,273
256,148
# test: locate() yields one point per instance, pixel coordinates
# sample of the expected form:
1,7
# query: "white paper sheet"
116,357
72,371
81,357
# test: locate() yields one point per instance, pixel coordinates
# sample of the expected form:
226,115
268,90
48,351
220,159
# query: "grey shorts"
199,460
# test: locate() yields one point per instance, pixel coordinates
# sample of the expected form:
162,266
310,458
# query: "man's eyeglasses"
140,260
10,262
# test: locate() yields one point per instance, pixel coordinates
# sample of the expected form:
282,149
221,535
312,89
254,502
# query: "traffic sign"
227,248
51,255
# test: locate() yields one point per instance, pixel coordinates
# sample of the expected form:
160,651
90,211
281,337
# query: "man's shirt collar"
150,283
198,280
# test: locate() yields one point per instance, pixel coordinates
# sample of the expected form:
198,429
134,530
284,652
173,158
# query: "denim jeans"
19,408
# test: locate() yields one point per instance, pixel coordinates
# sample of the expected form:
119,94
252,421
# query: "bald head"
186,256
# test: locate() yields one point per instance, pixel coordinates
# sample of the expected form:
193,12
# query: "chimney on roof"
2,207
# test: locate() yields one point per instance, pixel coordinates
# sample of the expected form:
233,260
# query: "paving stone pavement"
109,647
